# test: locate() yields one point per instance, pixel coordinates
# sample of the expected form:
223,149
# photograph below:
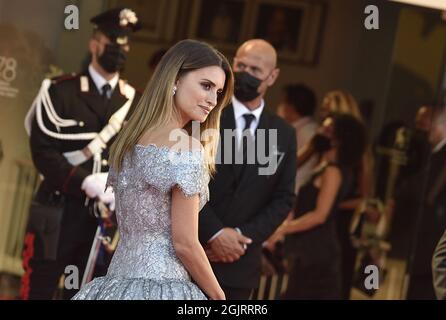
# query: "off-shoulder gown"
145,265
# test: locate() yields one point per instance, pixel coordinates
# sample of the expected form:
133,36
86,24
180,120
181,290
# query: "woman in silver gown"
160,173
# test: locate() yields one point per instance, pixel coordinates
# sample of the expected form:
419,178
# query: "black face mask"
321,143
246,86
113,58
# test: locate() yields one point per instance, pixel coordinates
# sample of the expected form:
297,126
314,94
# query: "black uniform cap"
117,24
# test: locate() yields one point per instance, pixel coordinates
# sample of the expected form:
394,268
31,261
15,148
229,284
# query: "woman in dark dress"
311,243
340,101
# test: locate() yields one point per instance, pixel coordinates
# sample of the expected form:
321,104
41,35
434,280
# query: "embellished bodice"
143,193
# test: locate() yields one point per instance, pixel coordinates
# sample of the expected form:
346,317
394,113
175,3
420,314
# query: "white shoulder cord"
44,98
99,143
49,108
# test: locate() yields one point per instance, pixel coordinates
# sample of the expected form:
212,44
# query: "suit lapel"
116,101
93,99
227,122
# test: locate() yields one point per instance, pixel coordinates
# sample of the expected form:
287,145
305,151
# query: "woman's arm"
305,153
330,184
187,246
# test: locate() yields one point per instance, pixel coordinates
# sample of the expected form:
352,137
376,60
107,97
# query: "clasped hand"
228,246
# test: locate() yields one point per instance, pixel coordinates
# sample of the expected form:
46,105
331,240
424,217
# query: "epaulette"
63,77
126,89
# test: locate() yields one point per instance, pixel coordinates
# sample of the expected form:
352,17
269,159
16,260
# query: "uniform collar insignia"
84,84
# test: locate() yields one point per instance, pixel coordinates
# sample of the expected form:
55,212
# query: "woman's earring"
174,90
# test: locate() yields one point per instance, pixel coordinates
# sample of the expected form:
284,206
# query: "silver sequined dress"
145,265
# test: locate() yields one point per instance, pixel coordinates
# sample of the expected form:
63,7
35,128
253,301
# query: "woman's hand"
220,295
277,236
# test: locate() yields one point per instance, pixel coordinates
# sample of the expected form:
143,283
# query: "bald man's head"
259,49
258,58
438,129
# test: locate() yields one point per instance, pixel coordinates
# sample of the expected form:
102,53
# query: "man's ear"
273,77
92,45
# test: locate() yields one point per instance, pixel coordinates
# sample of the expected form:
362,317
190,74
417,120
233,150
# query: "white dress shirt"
239,111
439,146
100,81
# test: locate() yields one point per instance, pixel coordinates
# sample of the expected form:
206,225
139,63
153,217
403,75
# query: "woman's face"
325,108
327,128
198,91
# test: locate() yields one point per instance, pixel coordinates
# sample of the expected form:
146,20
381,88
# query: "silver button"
104,162
81,123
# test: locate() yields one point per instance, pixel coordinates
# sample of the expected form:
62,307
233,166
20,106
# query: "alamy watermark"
72,17
71,281
371,21
371,281
235,147
71,22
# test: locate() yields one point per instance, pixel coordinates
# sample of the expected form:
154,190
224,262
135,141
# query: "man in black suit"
432,220
248,199
439,268
72,123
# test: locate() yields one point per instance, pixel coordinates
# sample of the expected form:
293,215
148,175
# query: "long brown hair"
156,107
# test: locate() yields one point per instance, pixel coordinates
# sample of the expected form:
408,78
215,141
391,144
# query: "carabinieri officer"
72,123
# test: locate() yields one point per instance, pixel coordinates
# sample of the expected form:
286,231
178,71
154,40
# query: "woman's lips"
206,109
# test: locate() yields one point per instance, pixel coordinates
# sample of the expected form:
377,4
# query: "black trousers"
237,293
421,287
41,277
348,252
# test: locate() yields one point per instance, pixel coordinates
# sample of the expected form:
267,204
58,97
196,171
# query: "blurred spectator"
297,107
439,268
415,149
339,101
432,221
344,103
312,244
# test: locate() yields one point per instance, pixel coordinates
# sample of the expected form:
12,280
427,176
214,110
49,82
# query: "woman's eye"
206,86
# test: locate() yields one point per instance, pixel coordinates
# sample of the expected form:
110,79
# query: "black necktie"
247,140
105,90
248,120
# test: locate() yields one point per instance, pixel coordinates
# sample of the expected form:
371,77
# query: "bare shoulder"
177,140
332,173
